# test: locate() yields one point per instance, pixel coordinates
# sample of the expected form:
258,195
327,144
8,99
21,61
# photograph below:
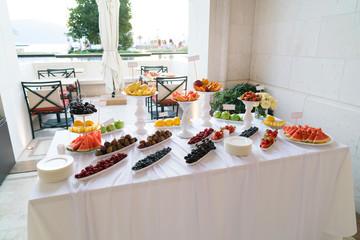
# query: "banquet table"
289,192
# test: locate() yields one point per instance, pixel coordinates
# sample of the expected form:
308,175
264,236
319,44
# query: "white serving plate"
82,152
168,127
281,132
55,168
230,121
83,115
200,159
117,151
152,146
105,170
265,149
84,132
105,134
143,169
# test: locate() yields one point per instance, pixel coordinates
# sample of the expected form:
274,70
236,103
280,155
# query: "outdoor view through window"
53,27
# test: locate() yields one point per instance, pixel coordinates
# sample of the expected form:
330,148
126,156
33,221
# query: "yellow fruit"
78,123
95,126
169,122
177,121
270,119
88,123
159,123
144,87
79,129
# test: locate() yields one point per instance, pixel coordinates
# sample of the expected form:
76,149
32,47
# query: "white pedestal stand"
248,116
205,115
140,114
184,133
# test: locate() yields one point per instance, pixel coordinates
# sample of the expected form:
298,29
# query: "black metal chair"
63,73
157,69
43,98
165,87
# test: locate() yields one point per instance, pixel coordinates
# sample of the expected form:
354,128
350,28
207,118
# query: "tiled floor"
16,189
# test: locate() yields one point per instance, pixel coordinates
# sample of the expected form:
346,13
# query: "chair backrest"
157,69
65,72
57,73
166,86
43,96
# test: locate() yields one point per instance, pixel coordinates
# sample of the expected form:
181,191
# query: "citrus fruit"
177,121
169,122
78,123
270,119
159,123
88,123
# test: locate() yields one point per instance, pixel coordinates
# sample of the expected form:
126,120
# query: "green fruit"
225,115
119,124
217,114
235,117
103,129
110,127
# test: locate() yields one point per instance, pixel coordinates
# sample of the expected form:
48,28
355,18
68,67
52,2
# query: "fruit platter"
83,127
185,97
249,132
205,85
305,135
200,151
85,142
100,167
219,135
158,137
116,145
268,140
112,128
271,122
250,97
150,160
82,109
167,123
207,132
138,89
226,116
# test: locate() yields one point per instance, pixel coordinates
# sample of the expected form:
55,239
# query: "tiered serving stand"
185,106
206,107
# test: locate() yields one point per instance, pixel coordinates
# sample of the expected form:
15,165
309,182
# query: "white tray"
112,132
168,127
82,152
215,141
200,159
281,132
105,170
265,149
152,146
143,169
230,121
84,115
117,151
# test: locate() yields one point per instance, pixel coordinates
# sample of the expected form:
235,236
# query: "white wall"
307,54
11,92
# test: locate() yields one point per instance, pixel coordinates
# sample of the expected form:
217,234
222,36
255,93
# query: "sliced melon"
297,136
311,138
321,137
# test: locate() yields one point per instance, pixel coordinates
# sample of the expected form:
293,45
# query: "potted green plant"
230,96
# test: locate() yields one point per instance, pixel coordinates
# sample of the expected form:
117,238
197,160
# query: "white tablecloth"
288,192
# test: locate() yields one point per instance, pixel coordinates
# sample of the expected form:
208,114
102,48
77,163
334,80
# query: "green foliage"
230,96
84,22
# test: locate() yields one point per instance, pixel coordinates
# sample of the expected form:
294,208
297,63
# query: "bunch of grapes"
81,108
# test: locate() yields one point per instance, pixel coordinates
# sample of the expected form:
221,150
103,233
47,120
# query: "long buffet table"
288,192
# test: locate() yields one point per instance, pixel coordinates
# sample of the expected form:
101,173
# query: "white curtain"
109,35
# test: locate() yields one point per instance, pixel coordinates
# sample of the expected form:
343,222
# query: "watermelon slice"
96,142
97,134
321,137
90,140
291,132
75,144
84,147
305,135
311,138
297,136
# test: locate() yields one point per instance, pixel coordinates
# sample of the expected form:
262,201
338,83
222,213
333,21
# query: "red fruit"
215,138
198,83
